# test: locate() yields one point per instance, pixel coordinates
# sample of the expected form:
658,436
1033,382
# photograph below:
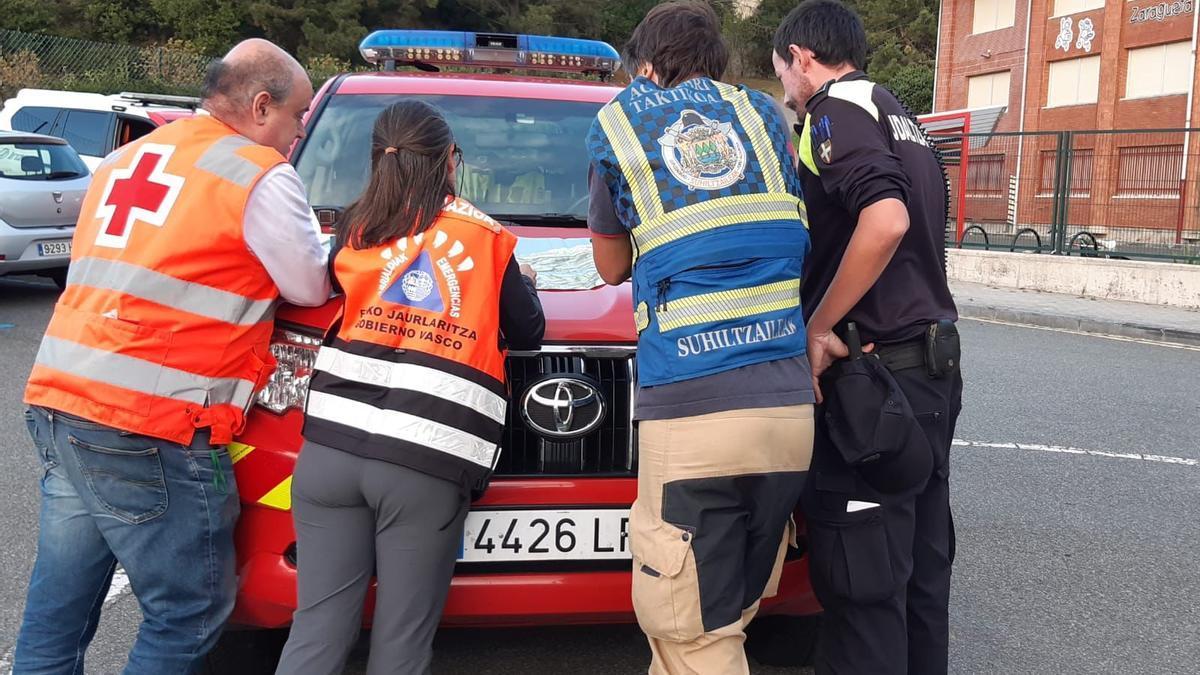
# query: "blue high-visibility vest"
702,177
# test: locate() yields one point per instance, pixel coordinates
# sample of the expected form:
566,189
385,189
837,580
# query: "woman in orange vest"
407,406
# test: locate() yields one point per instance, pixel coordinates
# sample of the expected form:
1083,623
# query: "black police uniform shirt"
867,147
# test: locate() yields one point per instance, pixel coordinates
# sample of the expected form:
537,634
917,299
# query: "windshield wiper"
542,218
63,174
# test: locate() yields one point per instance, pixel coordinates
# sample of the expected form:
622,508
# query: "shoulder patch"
858,92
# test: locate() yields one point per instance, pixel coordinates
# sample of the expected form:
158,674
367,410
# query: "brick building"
1093,67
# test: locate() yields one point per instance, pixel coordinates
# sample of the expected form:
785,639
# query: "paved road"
1071,559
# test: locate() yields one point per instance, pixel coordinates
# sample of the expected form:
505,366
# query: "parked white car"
94,124
42,184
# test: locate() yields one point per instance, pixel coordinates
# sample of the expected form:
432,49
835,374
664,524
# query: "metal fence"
1129,194
52,62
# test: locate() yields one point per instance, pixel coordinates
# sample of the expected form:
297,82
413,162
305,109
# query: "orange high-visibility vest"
165,325
413,371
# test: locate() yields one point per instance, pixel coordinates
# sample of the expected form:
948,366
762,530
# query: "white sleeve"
282,232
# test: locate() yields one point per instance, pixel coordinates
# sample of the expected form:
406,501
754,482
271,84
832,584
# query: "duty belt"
902,356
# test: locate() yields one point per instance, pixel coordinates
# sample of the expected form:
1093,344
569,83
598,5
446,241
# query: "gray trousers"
355,517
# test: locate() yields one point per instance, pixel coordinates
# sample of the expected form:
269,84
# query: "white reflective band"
402,426
130,372
160,288
412,378
221,160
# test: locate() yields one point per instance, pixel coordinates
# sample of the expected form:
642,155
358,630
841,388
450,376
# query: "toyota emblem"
563,406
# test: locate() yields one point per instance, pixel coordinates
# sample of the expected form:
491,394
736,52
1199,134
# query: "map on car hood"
561,264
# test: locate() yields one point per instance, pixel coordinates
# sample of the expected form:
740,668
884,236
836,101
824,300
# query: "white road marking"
1066,450
120,584
1118,338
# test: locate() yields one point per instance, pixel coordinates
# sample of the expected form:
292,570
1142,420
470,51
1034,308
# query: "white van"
94,124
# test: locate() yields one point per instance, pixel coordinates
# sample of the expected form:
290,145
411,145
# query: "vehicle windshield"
39,161
521,157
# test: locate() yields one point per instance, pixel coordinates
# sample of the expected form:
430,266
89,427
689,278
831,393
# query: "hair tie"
389,150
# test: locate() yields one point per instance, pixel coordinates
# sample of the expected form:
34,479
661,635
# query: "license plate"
50,248
526,536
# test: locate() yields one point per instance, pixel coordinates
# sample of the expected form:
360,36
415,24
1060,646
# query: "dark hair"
679,39
830,29
239,81
410,147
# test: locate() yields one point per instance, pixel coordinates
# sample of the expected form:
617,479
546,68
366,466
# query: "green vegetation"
324,34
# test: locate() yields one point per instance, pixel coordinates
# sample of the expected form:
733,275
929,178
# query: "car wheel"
60,278
245,652
783,640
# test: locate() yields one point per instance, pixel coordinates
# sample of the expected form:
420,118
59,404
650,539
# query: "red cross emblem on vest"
143,192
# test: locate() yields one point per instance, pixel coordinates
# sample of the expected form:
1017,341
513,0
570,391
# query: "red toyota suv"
546,545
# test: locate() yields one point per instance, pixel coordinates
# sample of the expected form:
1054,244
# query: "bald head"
257,88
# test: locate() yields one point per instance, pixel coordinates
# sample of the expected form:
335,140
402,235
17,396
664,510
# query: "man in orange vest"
186,240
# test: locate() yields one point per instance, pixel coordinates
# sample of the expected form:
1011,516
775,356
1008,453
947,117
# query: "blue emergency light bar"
489,50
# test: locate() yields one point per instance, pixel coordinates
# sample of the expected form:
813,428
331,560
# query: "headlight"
296,355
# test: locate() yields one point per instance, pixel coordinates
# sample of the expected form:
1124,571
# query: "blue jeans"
163,511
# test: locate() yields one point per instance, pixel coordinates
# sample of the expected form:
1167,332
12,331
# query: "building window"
1067,7
988,90
1149,172
993,15
1081,172
1160,70
985,176
1073,82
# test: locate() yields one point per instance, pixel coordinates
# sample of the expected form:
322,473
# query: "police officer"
696,176
876,193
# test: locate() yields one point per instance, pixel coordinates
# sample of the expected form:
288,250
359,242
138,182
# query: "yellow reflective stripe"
238,451
280,496
805,149
709,215
753,123
728,305
632,158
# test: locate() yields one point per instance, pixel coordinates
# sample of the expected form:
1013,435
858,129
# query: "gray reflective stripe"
401,426
187,296
710,215
728,305
130,372
222,160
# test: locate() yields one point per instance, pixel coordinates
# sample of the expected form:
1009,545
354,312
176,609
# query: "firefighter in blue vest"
695,195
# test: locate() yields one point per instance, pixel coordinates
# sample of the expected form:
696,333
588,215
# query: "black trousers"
880,564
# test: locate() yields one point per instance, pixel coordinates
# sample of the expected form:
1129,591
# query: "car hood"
41,203
579,306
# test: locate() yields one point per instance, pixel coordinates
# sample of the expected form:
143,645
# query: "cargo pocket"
851,559
666,590
128,482
849,556
137,366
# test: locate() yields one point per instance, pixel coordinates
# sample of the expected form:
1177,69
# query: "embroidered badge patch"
703,153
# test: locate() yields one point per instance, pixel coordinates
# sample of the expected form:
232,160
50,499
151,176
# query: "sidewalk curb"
976,310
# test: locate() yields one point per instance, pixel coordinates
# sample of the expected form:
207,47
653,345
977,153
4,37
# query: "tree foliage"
902,32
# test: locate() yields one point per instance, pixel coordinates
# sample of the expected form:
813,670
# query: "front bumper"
519,595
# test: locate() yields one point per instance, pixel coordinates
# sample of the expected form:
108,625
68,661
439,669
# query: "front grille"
606,451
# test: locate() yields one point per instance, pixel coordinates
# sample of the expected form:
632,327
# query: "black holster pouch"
942,349
871,424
